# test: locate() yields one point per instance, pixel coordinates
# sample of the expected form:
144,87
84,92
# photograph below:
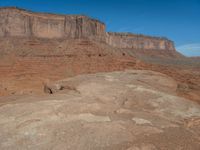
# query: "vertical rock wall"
18,22
13,24
126,40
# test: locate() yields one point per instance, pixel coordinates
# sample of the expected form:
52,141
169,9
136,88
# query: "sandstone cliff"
19,22
128,40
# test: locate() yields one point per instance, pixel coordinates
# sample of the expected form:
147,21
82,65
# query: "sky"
178,20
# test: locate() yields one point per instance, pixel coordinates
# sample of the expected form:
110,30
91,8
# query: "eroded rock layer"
18,22
134,41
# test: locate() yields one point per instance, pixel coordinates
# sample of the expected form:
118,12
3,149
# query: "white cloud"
192,49
193,46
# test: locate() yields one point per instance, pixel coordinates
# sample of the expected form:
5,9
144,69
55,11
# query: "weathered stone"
134,41
106,114
18,22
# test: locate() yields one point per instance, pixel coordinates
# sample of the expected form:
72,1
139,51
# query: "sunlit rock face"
127,40
18,22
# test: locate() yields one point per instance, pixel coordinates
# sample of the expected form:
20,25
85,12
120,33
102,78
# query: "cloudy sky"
178,20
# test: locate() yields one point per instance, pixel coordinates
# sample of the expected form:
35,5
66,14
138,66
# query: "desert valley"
66,83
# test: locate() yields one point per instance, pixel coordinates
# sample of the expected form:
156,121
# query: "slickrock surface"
127,110
130,110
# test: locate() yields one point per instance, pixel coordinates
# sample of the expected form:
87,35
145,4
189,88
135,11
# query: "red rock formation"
134,41
52,47
18,22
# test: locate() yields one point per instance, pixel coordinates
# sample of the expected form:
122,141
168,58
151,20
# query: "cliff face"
133,41
18,22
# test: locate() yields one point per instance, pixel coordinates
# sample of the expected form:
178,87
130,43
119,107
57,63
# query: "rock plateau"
19,22
66,83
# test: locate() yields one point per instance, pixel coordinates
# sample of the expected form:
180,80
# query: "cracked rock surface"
130,110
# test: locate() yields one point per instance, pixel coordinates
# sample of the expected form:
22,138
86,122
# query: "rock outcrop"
134,41
127,110
19,22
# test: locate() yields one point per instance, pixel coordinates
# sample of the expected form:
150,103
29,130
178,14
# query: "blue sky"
178,20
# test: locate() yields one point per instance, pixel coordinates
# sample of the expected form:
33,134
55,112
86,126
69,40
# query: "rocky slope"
31,54
129,110
53,96
27,64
